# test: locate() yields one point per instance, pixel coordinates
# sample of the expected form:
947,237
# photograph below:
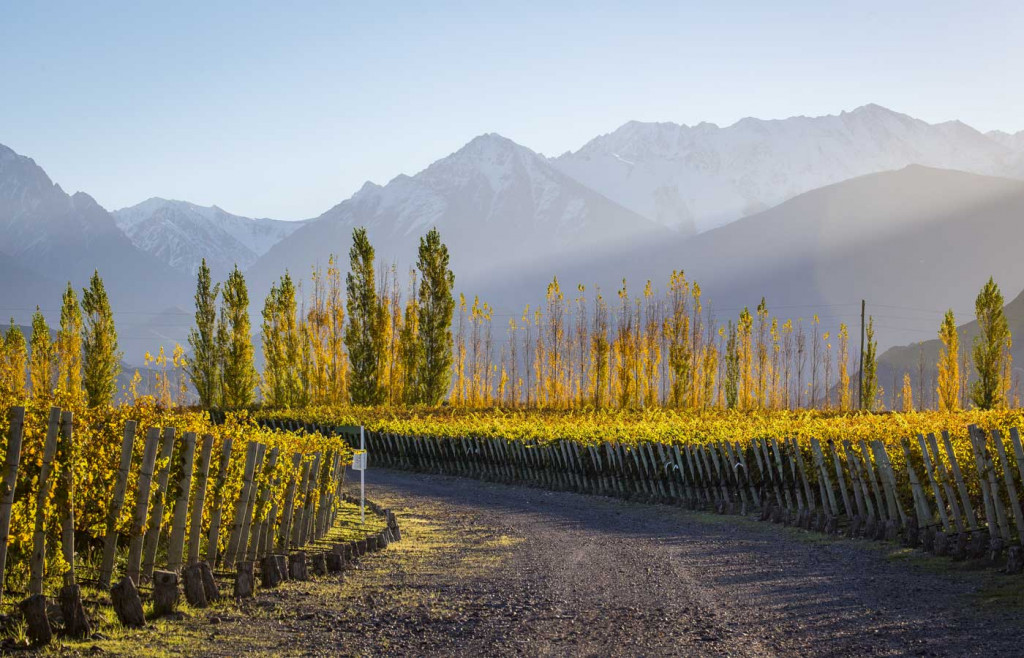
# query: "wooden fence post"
260,512
38,563
289,505
196,525
67,493
114,512
142,505
231,553
156,520
176,544
954,465
213,539
12,459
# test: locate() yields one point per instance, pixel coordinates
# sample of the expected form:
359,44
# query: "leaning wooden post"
157,519
67,494
114,513
38,563
1011,486
979,463
75,622
840,479
142,505
195,531
176,545
260,511
213,539
296,524
954,465
250,507
954,507
289,504
240,508
307,514
936,490
11,461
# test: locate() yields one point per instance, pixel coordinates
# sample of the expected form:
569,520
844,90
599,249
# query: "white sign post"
359,464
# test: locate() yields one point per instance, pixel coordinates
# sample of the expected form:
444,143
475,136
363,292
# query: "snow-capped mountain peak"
705,176
183,233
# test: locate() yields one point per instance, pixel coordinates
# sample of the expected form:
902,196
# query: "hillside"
916,238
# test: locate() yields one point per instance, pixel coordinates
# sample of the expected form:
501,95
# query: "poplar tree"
69,351
677,333
101,362
732,367
907,394
410,348
991,348
234,339
41,361
844,374
204,366
12,384
436,307
870,391
282,347
364,335
948,387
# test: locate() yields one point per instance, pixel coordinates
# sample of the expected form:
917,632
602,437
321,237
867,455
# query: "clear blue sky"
284,109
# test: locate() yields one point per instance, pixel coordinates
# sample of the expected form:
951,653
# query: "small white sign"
359,460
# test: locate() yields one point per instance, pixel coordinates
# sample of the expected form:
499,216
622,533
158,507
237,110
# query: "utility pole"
860,374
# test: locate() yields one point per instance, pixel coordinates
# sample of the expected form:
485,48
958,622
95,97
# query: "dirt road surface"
492,570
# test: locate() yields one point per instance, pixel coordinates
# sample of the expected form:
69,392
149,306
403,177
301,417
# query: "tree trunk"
127,603
38,624
165,592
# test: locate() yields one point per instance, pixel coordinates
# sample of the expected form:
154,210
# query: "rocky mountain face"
695,178
497,204
182,234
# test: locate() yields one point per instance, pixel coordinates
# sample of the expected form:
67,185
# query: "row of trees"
364,344
362,347
78,366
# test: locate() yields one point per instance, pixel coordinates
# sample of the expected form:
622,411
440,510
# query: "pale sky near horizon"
283,111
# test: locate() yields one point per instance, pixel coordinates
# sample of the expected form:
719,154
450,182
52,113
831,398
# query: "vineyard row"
954,498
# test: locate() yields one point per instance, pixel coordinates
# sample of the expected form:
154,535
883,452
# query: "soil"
491,570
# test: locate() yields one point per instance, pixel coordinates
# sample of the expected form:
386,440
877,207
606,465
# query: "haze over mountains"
813,213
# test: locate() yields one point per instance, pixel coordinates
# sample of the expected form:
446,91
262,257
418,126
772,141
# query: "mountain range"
815,213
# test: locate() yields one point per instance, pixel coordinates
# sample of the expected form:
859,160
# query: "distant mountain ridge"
700,177
182,234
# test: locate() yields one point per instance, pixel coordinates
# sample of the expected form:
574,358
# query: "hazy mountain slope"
496,203
182,234
700,177
912,239
51,238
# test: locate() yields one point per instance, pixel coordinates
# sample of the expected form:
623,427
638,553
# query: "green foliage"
365,333
102,360
203,366
282,348
238,374
437,304
69,350
991,349
41,364
870,392
732,367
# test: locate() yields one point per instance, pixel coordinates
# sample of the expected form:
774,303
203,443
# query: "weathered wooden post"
157,519
213,539
241,507
260,509
176,544
195,533
114,512
165,592
38,562
75,622
141,510
12,459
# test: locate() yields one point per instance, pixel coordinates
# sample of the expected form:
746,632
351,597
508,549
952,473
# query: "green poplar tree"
69,351
437,304
282,347
41,362
410,349
15,357
364,335
869,394
238,374
203,367
101,361
732,367
991,348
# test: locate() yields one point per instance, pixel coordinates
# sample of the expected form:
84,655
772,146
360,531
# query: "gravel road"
538,573
493,570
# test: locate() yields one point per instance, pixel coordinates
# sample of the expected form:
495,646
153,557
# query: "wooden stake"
213,538
12,459
38,563
114,512
141,510
156,520
195,533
